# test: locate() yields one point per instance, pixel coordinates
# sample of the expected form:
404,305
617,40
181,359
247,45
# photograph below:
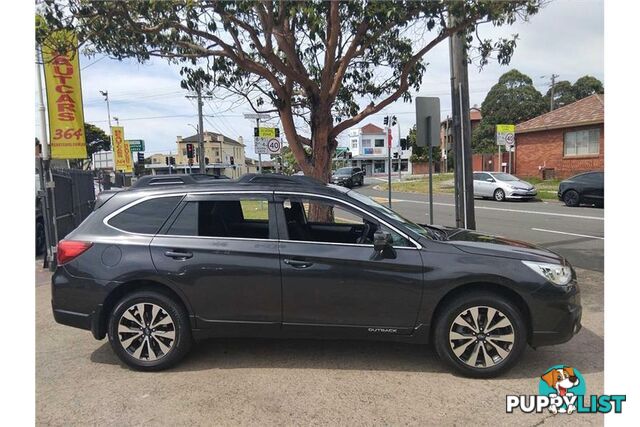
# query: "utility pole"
553,88
465,212
199,98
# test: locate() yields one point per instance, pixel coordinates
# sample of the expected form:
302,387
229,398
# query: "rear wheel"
480,334
149,331
571,198
499,195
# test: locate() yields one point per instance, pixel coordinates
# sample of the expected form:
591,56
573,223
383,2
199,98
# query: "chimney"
241,140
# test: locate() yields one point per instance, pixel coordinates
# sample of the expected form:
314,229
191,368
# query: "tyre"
480,334
149,331
571,198
41,241
499,195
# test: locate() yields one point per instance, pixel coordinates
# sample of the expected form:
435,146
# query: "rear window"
146,217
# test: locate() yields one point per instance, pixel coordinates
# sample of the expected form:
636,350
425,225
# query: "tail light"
70,249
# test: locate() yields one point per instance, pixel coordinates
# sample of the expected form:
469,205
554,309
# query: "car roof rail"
273,178
175,179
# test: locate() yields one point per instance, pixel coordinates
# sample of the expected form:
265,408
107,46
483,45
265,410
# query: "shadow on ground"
242,353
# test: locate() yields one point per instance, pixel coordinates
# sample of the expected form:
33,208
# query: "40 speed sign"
274,146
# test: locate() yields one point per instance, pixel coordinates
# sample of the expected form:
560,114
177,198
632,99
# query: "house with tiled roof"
562,142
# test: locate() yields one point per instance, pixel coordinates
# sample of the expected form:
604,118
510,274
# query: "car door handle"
297,263
178,255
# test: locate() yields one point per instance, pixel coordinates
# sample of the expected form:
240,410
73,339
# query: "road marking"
597,218
568,234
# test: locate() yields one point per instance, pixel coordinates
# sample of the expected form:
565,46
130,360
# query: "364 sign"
64,97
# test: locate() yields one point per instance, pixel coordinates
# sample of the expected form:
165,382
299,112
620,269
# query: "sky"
565,38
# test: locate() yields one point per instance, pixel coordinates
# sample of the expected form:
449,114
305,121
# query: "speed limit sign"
274,146
509,140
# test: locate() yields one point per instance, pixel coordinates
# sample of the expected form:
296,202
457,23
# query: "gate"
74,196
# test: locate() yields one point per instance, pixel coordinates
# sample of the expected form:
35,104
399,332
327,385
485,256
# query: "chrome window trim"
403,234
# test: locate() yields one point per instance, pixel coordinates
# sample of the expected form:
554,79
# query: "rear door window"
239,218
145,217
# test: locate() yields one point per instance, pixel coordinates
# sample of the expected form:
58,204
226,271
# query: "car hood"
477,243
520,185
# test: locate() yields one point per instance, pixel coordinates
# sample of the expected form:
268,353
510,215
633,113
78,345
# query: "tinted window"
146,217
246,218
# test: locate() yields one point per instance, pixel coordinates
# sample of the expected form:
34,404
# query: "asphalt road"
575,233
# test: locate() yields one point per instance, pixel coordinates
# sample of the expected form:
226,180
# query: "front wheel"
571,198
149,331
480,334
499,195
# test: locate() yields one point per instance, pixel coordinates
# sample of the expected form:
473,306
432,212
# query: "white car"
501,186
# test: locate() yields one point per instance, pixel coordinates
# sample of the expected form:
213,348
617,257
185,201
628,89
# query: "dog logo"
564,382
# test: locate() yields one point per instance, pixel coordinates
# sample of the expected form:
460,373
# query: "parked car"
501,186
278,256
348,177
584,188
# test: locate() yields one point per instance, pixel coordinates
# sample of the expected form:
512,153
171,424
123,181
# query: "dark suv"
276,256
348,177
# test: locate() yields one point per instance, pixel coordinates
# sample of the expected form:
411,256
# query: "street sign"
274,146
427,121
136,144
505,135
260,145
254,116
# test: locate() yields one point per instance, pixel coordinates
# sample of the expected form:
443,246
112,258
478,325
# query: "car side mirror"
491,180
382,240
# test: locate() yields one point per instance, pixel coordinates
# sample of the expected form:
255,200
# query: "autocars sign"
260,145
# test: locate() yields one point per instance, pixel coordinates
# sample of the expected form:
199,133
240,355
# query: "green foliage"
97,139
586,86
309,61
421,154
565,93
512,100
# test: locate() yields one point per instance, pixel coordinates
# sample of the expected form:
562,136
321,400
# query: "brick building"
446,135
562,142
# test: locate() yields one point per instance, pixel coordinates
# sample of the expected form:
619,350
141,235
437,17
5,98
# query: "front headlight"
555,273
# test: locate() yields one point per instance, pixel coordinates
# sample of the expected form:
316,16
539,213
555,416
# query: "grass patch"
442,183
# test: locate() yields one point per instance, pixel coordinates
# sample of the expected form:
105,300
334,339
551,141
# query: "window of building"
582,142
378,166
366,143
243,218
146,217
380,142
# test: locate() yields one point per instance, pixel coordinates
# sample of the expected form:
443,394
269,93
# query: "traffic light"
172,160
189,151
395,155
394,120
231,161
140,157
206,160
386,120
403,143
166,160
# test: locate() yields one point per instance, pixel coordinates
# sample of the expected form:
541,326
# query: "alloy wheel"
481,337
499,195
146,331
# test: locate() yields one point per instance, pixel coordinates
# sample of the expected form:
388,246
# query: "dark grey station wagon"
156,266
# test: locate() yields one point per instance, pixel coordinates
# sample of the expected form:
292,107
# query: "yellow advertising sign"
267,132
64,97
505,128
121,150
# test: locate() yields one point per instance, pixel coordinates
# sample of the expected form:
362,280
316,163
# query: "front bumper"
341,181
556,315
521,194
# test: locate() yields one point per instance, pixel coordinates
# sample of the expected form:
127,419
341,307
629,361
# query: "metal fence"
74,196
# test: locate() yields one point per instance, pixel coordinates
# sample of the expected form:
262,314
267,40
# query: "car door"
221,250
592,187
332,279
480,184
